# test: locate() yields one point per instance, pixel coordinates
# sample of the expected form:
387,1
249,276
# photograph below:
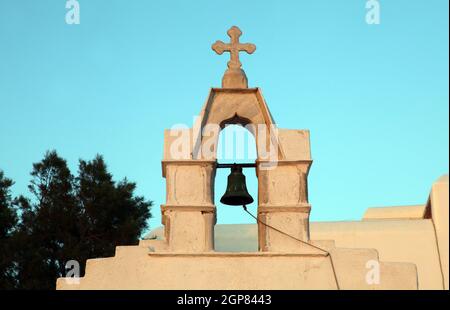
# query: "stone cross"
234,47
234,77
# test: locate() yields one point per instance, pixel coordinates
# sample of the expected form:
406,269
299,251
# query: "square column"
189,214
283,204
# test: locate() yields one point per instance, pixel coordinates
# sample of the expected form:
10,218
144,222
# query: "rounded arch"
244,107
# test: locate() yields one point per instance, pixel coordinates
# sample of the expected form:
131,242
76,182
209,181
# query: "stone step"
350,267
125,251
154,245
397,276
93,264
360,269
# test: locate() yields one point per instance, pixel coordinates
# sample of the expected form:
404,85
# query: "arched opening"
236,144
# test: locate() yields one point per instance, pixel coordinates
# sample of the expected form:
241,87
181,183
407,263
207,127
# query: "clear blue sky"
375,97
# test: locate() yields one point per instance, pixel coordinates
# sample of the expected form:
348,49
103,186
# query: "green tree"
73,218
8,222
112,214
49,228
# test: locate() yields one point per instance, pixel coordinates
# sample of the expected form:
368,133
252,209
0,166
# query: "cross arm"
219,47
248,47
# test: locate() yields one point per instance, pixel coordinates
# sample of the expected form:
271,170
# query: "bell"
236,193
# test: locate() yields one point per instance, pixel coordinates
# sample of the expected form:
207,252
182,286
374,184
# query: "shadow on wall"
236,238
227,237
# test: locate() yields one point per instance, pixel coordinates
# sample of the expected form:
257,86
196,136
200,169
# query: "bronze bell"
236,193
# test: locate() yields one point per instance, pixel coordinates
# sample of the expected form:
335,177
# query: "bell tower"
184,258
282,165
